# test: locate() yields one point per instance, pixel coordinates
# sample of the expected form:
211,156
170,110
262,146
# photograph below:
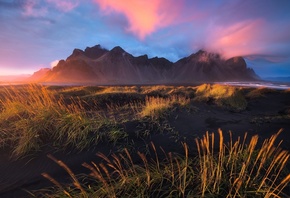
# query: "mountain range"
116,66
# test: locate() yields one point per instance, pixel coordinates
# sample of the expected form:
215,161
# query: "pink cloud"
31,9
238,39
64,5
269,58
144,17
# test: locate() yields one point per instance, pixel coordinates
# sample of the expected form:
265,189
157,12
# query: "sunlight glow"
54,63
144,17
238,39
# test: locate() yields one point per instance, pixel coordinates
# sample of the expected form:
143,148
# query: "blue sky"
36,33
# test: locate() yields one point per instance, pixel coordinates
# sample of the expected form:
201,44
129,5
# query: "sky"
37,33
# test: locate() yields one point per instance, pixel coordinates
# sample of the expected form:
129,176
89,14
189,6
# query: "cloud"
144,17
35,8
64,5
54,63
10,4
237,39
253,37
31,8
232,28
244,28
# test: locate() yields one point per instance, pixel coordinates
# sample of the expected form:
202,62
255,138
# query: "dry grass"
245,169
259,92
120,89
236,169
183,91
287,90
160,90
155,107
223,95
31,116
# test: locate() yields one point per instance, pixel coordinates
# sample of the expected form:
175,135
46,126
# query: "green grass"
238,168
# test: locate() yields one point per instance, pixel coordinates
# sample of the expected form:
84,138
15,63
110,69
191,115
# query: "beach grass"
238,168
223,95
259,92
33,116
156,107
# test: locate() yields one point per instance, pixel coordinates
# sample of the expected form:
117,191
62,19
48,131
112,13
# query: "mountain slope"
101,66
204,66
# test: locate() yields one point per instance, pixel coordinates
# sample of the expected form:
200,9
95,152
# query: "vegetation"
259,92
155,107
34,116
223,95
76,117
229,169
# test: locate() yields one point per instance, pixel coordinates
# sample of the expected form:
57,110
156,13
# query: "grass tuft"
31,116
156,107
238,168
259,92
223,95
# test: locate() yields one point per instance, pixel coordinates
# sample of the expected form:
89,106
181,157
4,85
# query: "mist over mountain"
116,66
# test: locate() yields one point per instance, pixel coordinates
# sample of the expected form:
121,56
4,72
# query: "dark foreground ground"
264,116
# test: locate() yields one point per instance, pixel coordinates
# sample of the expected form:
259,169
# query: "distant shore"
249,84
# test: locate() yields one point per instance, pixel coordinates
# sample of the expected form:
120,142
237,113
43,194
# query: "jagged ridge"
101,66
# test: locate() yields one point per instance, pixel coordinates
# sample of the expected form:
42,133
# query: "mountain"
39,74
204,66
116,66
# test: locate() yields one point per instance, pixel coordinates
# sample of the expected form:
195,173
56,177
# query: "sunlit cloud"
256,30
144,17
64,5
54,63
238,39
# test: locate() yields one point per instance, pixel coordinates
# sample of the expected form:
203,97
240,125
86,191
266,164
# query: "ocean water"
257,84
267,84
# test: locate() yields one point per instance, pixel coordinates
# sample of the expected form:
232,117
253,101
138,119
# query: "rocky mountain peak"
95,51
39,74
161,62
116,66
237,62
117,50
76,53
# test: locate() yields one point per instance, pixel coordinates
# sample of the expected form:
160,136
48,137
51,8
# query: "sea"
259,84
255,84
